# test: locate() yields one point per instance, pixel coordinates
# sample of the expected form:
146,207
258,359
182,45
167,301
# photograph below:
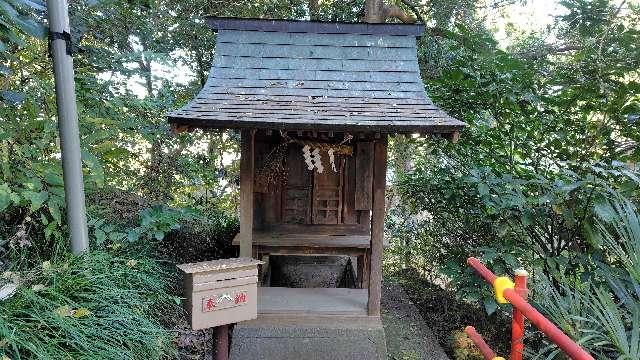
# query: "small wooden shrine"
314,103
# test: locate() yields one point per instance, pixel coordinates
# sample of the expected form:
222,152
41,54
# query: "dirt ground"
447,316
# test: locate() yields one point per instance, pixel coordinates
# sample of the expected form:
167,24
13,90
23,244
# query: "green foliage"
101,305
601,309
159,220
542,148
205,237
552,139
17,19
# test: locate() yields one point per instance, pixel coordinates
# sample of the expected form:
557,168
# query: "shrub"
206,237
464,348
541,222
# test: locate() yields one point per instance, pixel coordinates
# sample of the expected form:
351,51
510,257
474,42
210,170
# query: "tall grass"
101,305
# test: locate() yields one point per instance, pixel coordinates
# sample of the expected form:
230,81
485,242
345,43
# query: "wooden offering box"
220,292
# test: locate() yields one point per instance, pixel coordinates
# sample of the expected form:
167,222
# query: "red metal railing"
517,323
480,343
515,294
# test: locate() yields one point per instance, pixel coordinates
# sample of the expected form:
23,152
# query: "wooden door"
327,194
296,196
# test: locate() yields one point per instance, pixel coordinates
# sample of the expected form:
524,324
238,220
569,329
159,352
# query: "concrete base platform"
274,337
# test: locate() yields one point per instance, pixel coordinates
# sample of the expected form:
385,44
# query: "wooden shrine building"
314,103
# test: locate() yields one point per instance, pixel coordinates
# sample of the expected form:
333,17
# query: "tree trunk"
202,70
313,10
374,11
145,66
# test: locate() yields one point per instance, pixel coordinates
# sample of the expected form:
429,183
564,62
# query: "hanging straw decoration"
273,173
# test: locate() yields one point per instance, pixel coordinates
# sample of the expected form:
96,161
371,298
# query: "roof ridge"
318,27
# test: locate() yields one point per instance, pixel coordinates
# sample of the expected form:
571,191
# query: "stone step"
272,337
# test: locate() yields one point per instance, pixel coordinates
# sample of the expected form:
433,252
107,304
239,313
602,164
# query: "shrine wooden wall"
332,202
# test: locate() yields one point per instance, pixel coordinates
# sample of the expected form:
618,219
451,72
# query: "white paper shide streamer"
313,159
317,159
307,157
332,160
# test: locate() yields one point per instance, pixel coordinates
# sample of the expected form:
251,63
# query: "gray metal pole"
68,127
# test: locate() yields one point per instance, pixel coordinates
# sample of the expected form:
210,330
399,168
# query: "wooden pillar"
221,342
246,191
377,225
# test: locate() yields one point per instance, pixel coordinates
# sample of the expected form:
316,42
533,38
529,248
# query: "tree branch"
549,49
394,11
414,9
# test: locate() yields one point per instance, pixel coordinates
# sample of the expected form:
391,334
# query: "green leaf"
53,178
31,27
490,305
132,235
5,196
456,75
592,234
51,229
54,210
92,162
483,189
116,236
159,235
34,4
10,35
100,236
527,217
8,10
603,210
36,199
511,260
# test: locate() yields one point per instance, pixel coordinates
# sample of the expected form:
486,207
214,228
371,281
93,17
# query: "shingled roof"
300,75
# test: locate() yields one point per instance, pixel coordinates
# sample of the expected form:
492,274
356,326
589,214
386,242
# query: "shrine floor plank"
274,239
312,301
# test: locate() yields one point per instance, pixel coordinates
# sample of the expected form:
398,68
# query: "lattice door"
327,195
